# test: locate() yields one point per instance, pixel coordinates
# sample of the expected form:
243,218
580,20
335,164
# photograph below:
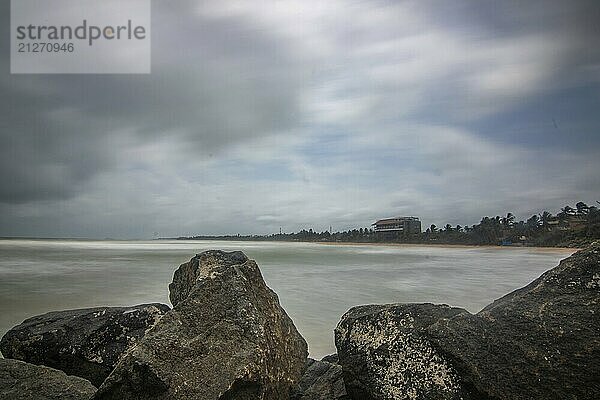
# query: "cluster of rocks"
539,342
228,338
87,343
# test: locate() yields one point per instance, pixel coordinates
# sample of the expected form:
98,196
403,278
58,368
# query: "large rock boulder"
386,353
86,342
538,342
321,380
226,338
22,381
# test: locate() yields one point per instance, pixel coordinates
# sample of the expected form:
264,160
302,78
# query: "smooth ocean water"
316,283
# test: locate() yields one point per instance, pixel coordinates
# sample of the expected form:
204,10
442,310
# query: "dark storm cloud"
293,113
212,84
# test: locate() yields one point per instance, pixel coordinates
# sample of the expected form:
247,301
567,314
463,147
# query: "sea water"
316,283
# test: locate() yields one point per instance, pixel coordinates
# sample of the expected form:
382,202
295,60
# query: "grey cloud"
241,86
213,85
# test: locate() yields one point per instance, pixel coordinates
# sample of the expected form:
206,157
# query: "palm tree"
582,208
565,212
545,217
508,220
533,222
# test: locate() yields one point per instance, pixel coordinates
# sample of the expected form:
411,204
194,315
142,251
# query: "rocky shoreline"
228,338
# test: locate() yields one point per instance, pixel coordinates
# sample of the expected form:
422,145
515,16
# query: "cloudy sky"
305,114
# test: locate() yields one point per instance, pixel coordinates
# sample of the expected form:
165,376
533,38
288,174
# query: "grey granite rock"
22,381
186,276
321,380
332,358
385,353
538,342
227,337
86,342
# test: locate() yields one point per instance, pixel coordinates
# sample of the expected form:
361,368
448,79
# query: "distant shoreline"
549,248
392,244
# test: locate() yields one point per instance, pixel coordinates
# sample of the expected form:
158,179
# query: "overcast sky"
305,114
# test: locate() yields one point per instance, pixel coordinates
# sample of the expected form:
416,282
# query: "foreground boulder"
539,342
86,342
227,337
386,353
22,381
321,380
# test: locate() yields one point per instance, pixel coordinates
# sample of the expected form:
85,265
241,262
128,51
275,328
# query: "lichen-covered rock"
385,353
538,342
86,342
186,276
22,381
321,380
226,338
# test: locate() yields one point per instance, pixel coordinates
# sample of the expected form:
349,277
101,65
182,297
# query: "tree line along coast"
570,227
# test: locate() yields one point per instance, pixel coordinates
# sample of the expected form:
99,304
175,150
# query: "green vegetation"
571,227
